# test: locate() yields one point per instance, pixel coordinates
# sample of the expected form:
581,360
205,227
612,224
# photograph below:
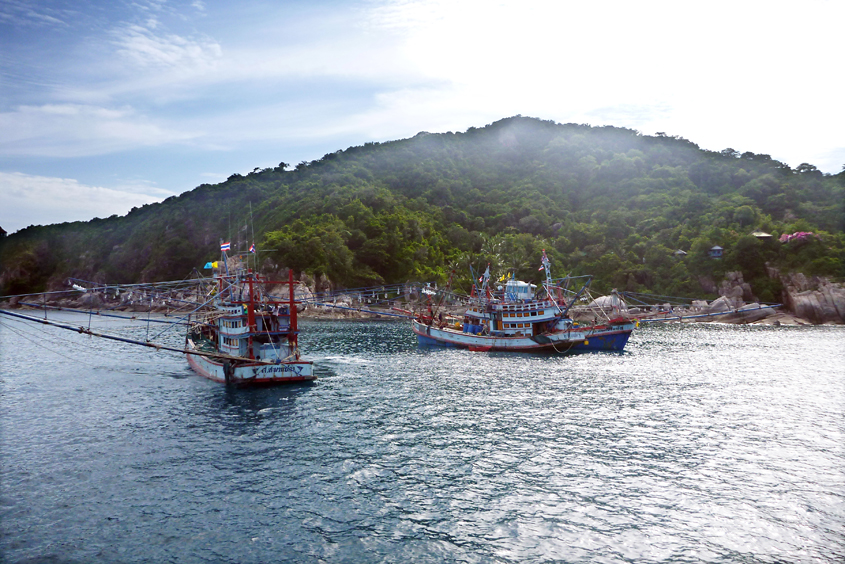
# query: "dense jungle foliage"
605,201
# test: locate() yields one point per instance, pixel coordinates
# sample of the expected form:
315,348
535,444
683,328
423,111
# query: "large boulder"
754,312
611,303
699,305
817,300
720,305
797,282
736,289
90,300
834,294
301,293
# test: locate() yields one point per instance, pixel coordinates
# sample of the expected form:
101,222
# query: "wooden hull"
606,339
611,338
432,335
251,374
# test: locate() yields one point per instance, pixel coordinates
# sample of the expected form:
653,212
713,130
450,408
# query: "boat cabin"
518,291
269,339
511,319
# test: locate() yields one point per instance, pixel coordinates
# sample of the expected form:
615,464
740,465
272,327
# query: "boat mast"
577,295
252,228
547,266
250,316
225,257
443,294
292,335
485,278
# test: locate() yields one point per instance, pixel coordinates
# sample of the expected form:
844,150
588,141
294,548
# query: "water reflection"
254,400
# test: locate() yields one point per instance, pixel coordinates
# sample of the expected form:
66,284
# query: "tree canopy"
606,201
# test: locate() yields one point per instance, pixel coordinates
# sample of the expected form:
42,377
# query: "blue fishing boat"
515,316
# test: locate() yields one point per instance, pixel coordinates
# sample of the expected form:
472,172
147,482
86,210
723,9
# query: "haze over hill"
108,105
601,200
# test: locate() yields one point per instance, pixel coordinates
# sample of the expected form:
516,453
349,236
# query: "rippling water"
700,443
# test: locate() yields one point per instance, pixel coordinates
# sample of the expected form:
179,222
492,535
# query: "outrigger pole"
578,295
98,313
85,331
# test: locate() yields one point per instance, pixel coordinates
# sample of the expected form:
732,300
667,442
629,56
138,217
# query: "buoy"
586,342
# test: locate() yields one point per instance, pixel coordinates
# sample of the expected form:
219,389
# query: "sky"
110,104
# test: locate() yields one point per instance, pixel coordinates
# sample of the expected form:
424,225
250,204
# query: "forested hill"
601,200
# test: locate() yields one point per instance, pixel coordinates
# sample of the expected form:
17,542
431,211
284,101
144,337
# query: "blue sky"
106,105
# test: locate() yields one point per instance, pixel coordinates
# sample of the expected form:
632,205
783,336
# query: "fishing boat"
249,338
516,317
238,333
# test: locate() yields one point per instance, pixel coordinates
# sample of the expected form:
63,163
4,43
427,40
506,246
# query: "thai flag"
252,248
225,246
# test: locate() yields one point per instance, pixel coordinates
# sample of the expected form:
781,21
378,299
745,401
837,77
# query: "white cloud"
42,200
25,14
72,130
146,48
721,74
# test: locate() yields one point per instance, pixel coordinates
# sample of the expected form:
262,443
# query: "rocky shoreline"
719,311
809,300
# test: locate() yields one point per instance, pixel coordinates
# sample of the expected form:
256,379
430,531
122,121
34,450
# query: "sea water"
699,443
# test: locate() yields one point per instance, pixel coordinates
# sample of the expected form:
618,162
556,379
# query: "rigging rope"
41,345
85,331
